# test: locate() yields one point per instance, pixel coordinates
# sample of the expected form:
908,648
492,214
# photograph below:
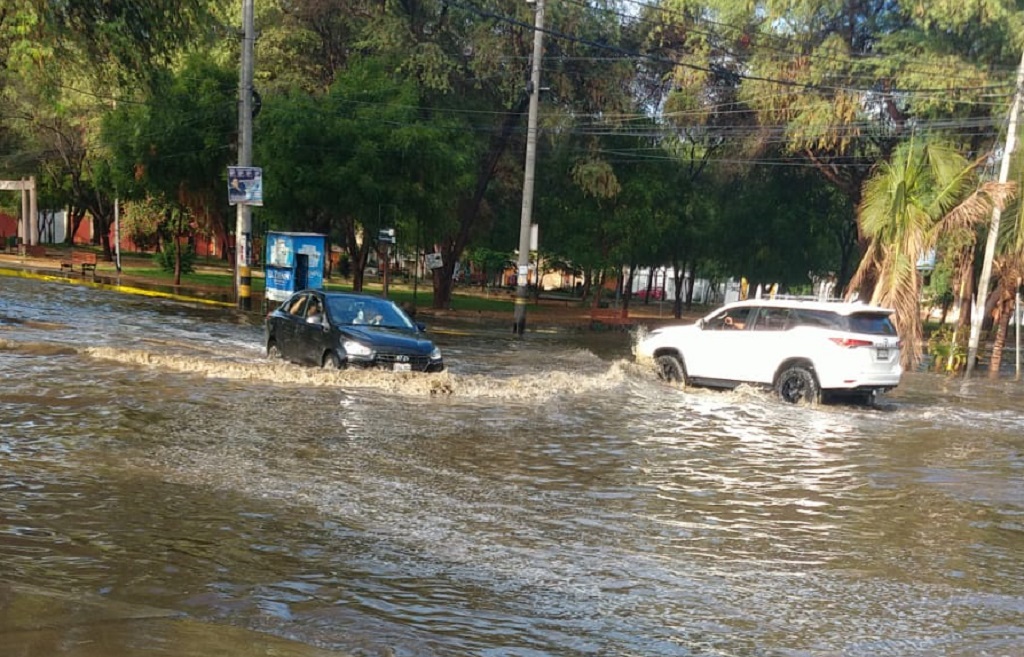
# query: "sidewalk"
552,313
106,276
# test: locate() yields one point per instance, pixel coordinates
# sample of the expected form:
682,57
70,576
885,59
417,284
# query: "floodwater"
544,496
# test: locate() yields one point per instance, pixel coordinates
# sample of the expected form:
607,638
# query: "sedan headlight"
435,354
354,348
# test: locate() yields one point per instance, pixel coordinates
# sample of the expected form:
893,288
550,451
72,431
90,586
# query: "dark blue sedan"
335,329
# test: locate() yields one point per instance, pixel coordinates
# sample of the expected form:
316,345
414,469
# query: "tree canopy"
721,135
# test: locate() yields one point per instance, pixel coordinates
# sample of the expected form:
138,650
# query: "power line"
696,67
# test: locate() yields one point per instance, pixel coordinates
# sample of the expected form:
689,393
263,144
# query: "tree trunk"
598,290
77,215
965,275
469,210
102,225
690,282
678,279
1004,311
177,260
627,287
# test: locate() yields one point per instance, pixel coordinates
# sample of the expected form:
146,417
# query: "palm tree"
1008,267
926,190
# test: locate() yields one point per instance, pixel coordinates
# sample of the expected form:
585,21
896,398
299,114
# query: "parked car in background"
801,349
339,330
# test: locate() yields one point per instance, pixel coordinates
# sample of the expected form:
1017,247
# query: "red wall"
8,225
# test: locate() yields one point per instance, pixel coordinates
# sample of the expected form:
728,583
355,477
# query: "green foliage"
948,349
488,260
731,134
165,258
362,155
140,222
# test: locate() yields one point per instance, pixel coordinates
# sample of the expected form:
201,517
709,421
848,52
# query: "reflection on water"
539,498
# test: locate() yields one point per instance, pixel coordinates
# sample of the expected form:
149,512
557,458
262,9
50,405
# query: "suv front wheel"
671,368
796,384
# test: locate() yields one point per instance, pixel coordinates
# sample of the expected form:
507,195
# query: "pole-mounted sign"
245,185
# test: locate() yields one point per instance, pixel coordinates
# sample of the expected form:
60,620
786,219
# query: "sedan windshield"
367,311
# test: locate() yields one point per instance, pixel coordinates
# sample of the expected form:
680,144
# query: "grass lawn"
212,273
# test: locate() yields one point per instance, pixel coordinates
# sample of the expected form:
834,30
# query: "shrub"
165,259
947,349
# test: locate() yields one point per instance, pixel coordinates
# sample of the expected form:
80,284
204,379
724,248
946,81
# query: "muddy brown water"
544,496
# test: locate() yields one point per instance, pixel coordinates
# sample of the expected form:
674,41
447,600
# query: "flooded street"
544,496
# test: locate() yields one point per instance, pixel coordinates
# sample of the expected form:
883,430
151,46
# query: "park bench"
35,251
609,317
84,259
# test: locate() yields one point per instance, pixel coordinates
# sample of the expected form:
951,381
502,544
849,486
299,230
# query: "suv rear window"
872,323
816,319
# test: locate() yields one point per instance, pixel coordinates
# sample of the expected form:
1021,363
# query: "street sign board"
245,185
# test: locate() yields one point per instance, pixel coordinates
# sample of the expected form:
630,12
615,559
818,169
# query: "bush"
947,353
165,259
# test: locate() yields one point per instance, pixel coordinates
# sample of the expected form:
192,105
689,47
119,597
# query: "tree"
838,85
344,162
1008,267
927,190
175,147
64,65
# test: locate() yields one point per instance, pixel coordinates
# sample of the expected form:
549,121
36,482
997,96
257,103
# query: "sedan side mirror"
421,326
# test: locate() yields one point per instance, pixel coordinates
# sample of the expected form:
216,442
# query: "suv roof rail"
798,297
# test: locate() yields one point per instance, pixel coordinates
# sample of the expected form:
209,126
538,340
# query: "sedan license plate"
402,367
883,354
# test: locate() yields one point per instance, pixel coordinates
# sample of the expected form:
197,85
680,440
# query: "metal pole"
117,235
33,212
978,312
522,289
243,225
416,266
1016,325
23,226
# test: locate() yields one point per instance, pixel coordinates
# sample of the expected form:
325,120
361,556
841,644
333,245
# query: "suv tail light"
851,343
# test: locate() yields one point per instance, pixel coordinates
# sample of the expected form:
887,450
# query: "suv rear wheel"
671,368
797,385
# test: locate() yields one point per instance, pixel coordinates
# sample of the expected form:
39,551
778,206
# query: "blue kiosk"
294,261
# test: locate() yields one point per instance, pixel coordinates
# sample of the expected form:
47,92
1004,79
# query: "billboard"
245,185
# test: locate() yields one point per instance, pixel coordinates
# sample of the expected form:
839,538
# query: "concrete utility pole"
243,226
978,312
522,289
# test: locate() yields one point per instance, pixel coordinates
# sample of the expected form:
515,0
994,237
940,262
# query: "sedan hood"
391,339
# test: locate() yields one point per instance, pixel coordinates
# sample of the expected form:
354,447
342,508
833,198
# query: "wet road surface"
545,496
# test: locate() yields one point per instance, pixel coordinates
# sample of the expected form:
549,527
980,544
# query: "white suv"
801,349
